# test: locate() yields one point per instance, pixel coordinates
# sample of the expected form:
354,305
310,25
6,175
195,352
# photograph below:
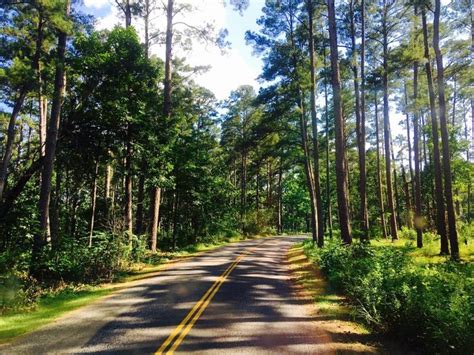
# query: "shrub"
17,291
75,261
429,304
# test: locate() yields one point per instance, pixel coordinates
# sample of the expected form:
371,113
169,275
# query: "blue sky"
237,67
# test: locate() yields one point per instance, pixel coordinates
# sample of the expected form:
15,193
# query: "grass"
55,304
330,309
398,289
429,254
49,308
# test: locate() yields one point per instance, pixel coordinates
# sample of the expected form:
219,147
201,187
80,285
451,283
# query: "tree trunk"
448,188
55,208
42,100
51,143
43,118
341,171
386,120
243,191
155,211
308,172
419,223
28,143
410,166
140,202
406,190
156,191
128,183
257,193
360,130
280,197
328,165
128,14
93,201
379,172
175,219
468,158
168,59
440,209
10,140
314,125
109,173
395,184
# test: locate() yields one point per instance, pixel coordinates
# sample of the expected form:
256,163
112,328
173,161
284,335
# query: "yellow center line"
188,322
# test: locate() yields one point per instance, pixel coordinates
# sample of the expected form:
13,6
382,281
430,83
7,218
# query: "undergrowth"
430,304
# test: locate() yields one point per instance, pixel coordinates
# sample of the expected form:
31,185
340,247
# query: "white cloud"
108,22
227,71
96,4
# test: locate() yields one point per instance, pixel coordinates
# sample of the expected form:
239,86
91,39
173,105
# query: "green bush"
432,305
75,261
407,233
17,291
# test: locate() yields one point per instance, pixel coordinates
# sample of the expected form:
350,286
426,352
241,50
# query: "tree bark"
328,164
448,188
386,120
406,190
140,202
168,59
379,172
341,171
440,207
156,191
360,127
243,191
410,165
128,183
155,210
55,208
308,172
42,100
418,221
280,197
395,184
93,202
51,143
175,219
314,125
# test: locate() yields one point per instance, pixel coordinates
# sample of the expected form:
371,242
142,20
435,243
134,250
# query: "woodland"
361,135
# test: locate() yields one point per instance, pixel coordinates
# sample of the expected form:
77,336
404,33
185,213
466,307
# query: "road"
235,299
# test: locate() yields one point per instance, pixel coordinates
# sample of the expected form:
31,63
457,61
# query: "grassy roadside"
429,254
327,307
332,311
56,303
402,292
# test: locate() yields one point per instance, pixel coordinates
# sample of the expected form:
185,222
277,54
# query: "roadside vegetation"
26,304
113,156
405,292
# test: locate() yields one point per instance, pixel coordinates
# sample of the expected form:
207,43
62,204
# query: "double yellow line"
177,336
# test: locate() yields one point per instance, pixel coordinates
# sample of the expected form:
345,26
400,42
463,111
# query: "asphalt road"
235,299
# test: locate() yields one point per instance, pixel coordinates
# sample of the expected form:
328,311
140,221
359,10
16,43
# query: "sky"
229,70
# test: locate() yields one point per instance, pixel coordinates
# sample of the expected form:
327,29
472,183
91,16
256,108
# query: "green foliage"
73,262
431,304
17,291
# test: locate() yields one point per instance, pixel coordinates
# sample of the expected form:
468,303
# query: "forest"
361,135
